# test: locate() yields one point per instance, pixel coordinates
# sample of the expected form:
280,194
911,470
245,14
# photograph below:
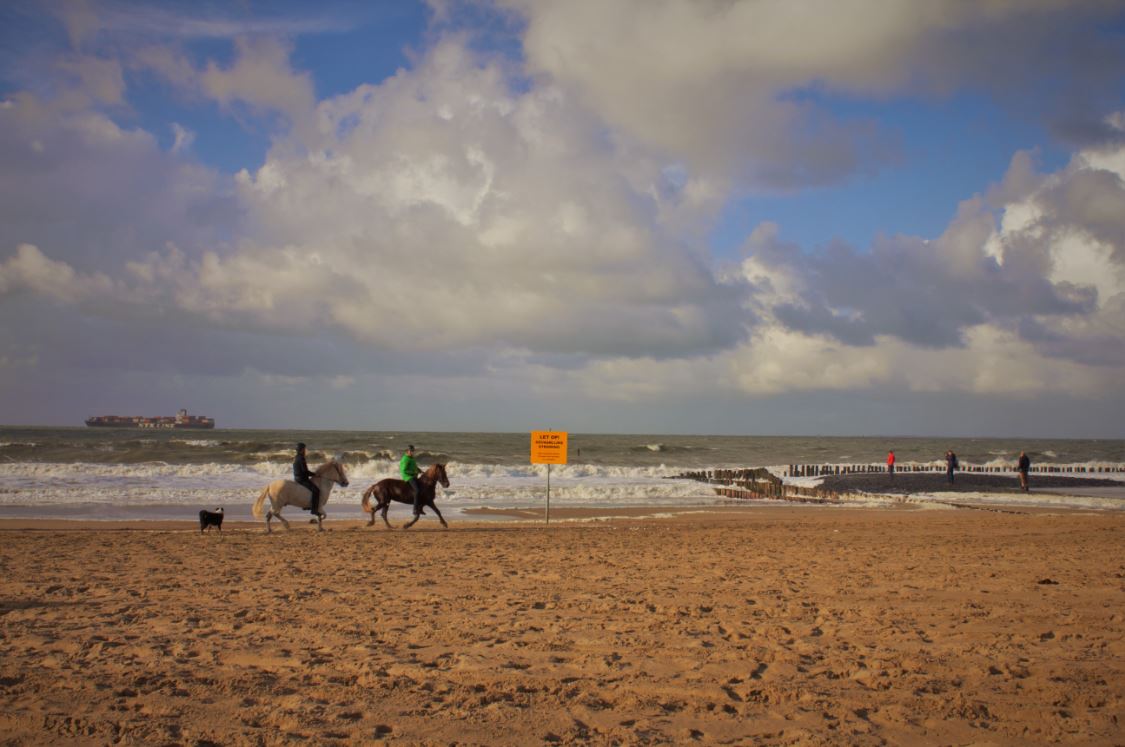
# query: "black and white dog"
211,519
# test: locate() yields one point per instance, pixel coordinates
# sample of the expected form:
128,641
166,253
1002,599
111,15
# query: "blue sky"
669,216
949,149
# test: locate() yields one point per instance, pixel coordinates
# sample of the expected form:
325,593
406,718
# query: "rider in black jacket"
303,477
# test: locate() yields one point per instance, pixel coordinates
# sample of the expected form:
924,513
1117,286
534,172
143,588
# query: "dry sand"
759,626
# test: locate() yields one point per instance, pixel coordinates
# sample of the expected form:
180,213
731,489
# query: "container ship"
180,420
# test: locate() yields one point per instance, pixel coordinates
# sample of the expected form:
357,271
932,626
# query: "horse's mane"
319,471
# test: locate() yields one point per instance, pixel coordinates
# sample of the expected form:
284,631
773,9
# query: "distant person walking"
891,463
951,465
408,471
1023,467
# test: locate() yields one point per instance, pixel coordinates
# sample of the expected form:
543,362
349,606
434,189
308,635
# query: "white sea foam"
155,483
472,485
1031,500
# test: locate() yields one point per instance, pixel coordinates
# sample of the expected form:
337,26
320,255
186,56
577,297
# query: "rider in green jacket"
408,470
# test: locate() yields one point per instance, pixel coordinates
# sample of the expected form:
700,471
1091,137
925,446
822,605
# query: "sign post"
548,447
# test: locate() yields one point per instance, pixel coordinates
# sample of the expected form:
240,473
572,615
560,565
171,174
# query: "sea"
125,474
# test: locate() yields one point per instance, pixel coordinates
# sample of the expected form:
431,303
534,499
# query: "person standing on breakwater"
1023,467
303,477
891,462
950,465
408,471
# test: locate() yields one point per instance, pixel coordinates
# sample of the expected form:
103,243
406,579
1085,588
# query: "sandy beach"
763,625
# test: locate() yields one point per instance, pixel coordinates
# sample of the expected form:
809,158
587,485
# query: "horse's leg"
385,505
269,515
440,518
412,522
282,518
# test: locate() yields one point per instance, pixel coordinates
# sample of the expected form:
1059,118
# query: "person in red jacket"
891,463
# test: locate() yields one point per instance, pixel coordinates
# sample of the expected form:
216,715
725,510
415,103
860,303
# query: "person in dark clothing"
1023,467
950,464
303,477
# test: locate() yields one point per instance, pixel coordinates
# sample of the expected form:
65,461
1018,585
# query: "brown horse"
391,489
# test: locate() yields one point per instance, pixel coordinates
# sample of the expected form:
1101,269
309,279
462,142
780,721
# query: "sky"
828,217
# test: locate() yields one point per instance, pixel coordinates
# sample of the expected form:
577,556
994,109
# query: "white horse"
284,493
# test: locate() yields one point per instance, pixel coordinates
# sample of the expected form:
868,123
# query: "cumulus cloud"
261,77
443,208
731,87
94,194
1022,295
1050,271
924,292
29,270
546,232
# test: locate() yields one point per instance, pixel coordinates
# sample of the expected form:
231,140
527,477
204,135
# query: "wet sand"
906,483
771,625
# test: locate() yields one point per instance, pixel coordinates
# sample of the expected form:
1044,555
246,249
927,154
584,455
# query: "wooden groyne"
822,470
760,483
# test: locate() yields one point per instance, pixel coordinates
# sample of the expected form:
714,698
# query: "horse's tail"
257,509
365,504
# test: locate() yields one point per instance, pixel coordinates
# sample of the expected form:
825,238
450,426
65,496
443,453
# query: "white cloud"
1054,262
442,208
261,77
456,220
94,194
30,270
719,84
102,79
182,138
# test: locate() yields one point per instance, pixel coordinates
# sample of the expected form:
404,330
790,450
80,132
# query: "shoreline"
530,518
490,518
876,491
905,483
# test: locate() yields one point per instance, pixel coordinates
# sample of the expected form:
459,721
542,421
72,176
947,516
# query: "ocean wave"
659,448
217,479
160,482
1100,503
376,466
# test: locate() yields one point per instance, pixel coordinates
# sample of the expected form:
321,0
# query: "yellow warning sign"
548,447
